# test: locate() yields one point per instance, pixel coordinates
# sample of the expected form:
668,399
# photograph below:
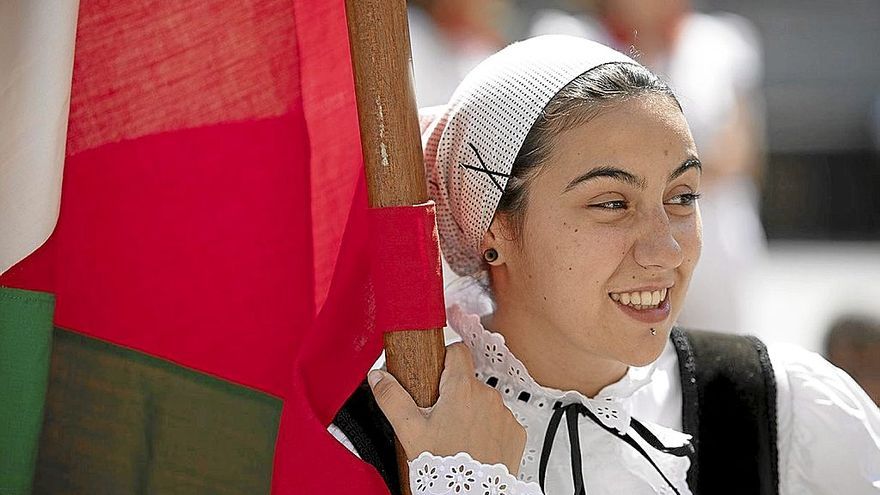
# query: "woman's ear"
497,242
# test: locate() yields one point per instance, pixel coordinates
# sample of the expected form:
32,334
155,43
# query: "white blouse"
828,428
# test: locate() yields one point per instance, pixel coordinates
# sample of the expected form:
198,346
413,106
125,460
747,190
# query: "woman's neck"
552,361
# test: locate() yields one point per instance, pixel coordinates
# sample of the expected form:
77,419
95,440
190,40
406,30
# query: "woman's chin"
640,361
647,349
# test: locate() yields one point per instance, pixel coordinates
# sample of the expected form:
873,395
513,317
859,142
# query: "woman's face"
611,226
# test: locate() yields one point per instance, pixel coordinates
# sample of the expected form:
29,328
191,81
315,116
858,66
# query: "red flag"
213,209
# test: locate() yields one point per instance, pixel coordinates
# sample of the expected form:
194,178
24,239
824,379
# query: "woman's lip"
650,315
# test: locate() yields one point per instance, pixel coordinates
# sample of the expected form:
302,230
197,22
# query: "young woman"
566,181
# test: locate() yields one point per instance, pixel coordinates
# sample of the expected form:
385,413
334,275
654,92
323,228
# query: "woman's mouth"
647,306
641,299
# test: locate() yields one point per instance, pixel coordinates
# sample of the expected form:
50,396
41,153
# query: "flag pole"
380,51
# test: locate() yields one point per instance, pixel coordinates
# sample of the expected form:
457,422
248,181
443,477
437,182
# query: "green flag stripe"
120,421
25,344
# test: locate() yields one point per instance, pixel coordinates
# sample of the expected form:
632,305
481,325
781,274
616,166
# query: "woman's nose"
656,246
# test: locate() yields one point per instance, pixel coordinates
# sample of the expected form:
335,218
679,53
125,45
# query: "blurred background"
783,98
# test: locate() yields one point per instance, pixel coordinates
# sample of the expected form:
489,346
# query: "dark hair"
854,330
576,103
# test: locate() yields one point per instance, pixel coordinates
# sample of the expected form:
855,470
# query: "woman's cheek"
601,253
689,235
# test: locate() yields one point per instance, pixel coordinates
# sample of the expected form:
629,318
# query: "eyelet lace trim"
499,368
462,475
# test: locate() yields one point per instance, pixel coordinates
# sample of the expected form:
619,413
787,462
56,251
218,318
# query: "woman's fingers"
458,358
459,366
469,416
398,406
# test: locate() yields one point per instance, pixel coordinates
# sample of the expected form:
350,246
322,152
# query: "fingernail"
373,377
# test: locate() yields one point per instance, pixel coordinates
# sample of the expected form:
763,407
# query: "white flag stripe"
36,63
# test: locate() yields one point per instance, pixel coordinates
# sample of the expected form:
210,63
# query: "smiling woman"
601,216
566,180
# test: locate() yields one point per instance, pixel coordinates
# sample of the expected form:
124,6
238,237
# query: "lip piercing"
653,332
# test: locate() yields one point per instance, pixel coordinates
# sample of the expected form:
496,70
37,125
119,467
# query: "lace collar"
496,365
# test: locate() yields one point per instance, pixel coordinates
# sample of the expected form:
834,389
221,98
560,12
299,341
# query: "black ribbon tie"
571,413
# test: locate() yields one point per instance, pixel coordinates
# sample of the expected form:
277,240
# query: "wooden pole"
380,50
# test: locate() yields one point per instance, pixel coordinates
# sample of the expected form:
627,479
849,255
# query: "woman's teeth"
640,300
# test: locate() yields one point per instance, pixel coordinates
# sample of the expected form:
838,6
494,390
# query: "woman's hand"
468,417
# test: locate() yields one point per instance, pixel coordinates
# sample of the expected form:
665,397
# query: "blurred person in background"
714,64
449,38
853,345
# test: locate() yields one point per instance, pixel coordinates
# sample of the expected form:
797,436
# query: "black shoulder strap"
371,434
729,407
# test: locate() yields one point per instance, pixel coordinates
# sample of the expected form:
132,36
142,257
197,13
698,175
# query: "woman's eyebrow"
610,172
692,162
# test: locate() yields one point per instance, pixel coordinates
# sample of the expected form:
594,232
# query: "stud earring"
490,255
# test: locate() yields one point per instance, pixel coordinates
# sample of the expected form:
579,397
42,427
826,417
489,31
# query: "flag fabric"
36,59
25,340
211,264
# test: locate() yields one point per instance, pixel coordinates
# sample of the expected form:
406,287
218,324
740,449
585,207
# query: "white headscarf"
471,143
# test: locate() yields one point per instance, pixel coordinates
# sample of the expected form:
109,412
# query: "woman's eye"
610,205
686,199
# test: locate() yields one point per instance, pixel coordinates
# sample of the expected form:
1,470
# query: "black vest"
728,406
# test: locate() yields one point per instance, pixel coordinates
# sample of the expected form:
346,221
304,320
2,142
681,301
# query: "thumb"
398,406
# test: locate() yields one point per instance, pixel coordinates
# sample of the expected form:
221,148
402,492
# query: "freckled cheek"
586,262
